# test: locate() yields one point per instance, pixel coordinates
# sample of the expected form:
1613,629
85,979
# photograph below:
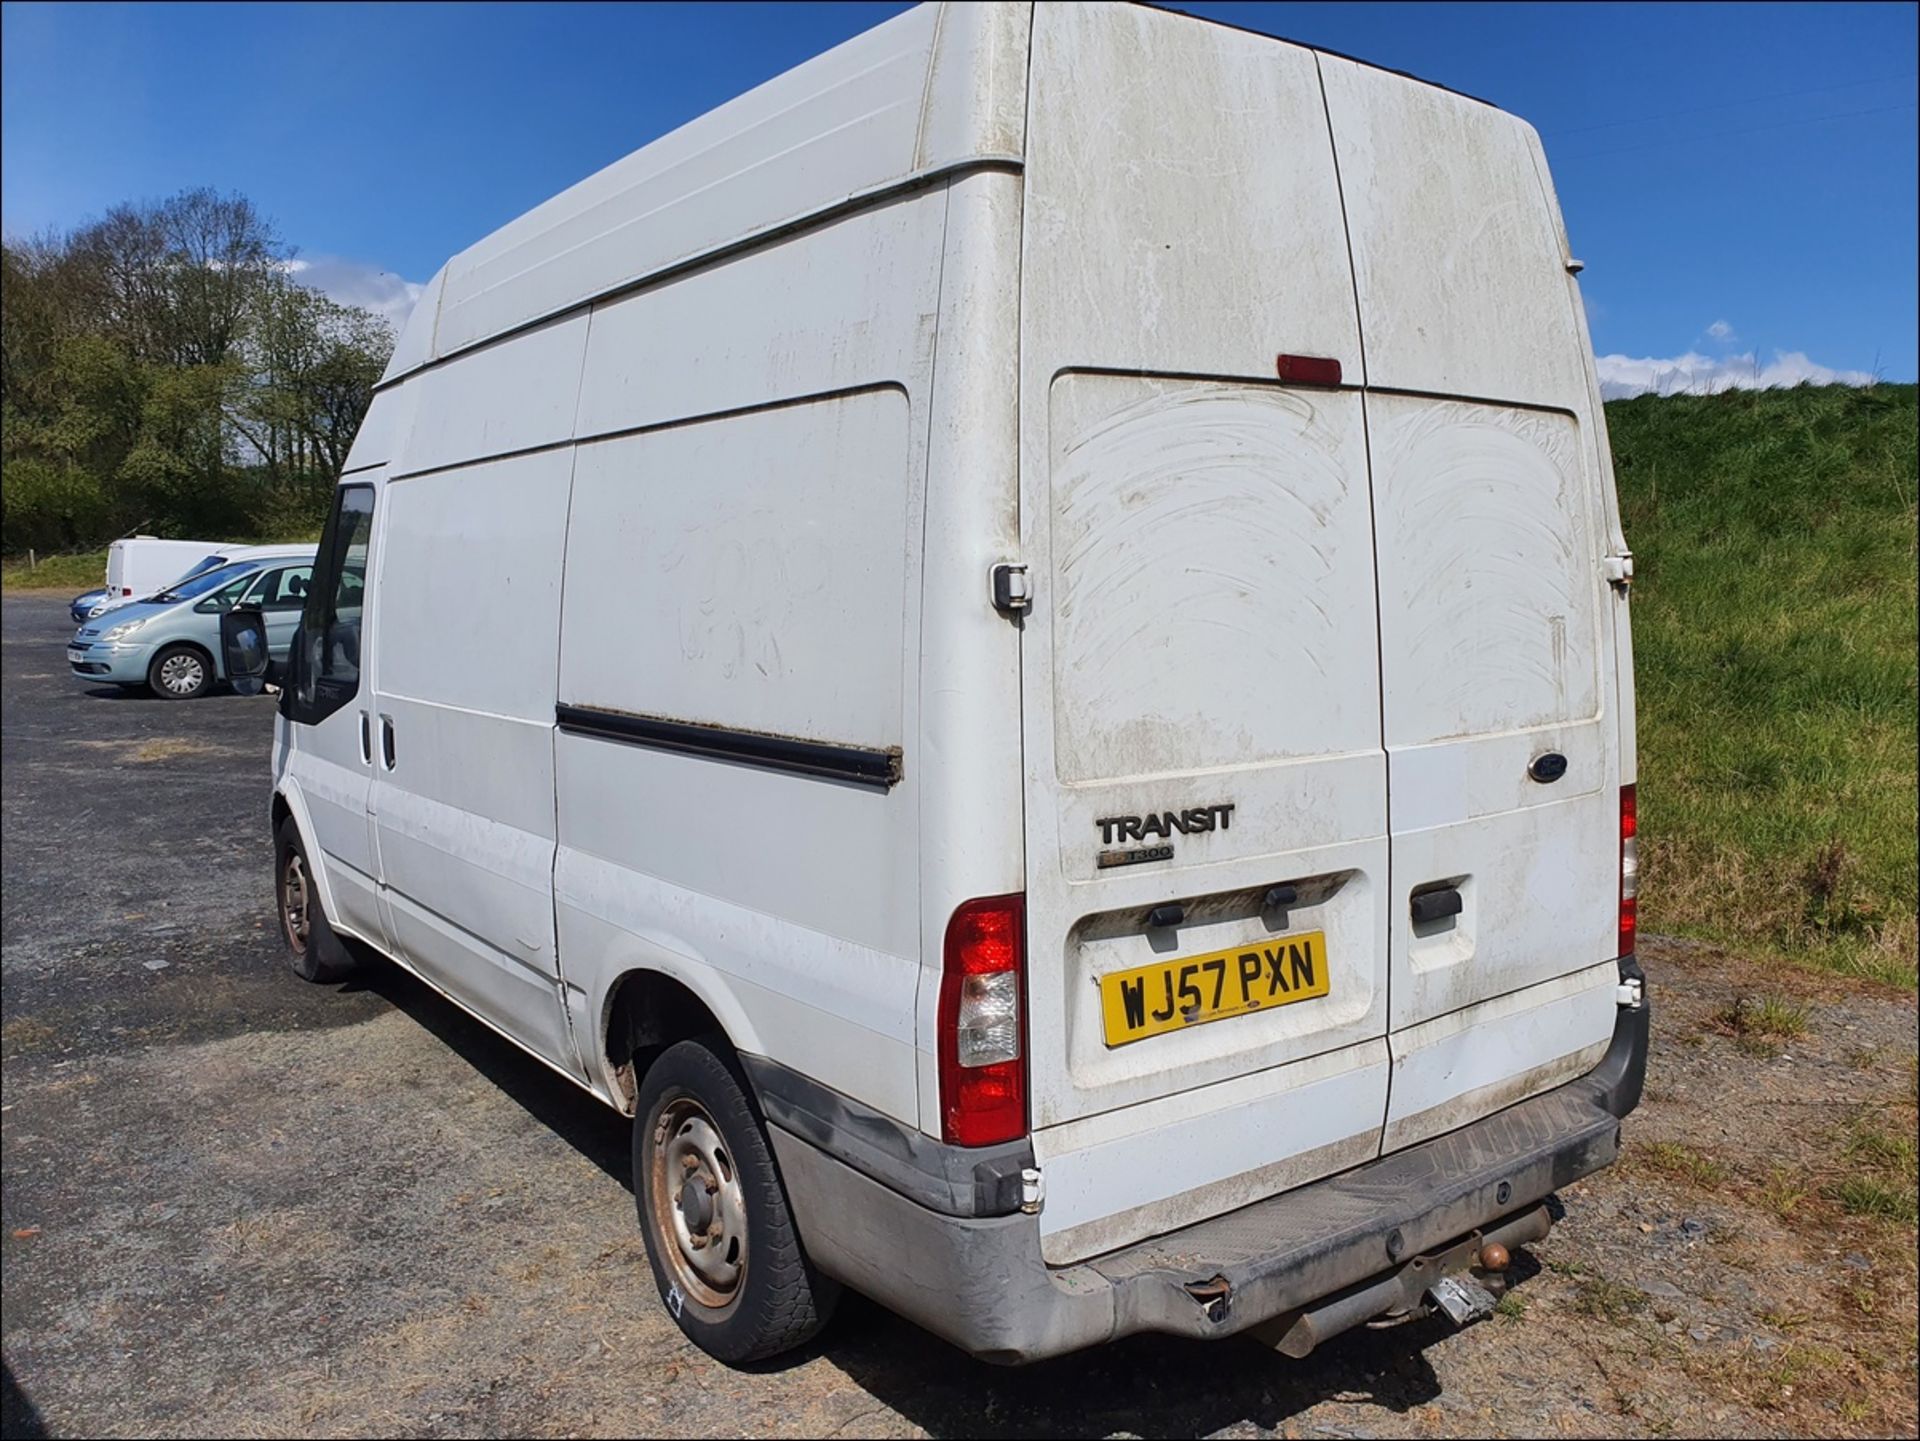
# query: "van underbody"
1048,586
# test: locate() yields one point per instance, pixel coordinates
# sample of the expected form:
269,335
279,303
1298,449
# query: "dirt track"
236,1204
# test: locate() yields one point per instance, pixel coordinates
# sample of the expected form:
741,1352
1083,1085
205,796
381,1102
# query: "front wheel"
313,950
180,672
720,1239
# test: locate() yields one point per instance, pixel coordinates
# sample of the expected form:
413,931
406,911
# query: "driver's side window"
327,663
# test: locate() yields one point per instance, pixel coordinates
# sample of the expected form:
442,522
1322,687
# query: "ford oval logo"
1548,767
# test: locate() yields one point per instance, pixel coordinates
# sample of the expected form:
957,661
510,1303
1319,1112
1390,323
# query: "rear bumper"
979,1281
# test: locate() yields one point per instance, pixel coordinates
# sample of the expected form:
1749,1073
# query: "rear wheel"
720,1239
313,950
180,672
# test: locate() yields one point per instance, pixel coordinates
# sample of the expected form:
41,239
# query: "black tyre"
180,672
720,1238
313,950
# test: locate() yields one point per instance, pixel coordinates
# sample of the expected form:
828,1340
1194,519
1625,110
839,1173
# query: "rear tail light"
126,590
983,1069
1629,870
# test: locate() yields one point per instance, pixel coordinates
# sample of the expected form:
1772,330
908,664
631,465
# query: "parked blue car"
84,603
170,642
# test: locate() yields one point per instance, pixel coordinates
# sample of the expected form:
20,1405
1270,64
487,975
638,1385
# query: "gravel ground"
236,1204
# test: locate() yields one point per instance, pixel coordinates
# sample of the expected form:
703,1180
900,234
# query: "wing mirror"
243,645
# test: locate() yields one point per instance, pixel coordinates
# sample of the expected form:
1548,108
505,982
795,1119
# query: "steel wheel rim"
182,674
699,1206
294,918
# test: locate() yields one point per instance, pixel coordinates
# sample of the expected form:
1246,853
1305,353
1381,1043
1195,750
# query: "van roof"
936,89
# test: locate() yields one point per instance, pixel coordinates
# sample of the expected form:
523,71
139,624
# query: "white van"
139,565
1017,642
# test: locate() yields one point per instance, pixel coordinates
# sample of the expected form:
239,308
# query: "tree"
160,367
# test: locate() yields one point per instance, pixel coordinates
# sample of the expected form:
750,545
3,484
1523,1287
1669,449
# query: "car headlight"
121,631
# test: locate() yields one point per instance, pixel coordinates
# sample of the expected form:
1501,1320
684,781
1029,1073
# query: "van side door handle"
386,740
366,739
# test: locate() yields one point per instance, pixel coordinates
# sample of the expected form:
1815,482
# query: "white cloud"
1696,374
1720,331
353,283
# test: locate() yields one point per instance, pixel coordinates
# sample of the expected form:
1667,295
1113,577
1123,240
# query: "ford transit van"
1105,801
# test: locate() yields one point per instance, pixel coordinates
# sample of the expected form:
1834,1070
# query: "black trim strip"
861,765
952,1180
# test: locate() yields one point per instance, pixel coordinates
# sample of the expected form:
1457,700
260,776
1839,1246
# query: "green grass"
83,570
78,572
1685,1163
1768,1017
1774,635
1886,1170
1607,1299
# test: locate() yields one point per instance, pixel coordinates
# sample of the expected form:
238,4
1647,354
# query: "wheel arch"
289,802
648,1007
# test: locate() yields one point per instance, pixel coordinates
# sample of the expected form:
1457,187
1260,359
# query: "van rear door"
1496,630
1205,783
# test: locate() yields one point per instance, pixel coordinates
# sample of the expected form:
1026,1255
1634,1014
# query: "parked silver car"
170,642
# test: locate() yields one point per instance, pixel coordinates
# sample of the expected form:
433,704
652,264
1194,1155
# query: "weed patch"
1684,1163
1608,1300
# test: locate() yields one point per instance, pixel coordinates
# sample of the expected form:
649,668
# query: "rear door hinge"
1618,569
1012,593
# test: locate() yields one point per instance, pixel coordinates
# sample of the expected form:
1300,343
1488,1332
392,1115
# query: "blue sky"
1740,179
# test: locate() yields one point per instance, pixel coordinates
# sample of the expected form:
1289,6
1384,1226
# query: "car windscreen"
201,567
207,580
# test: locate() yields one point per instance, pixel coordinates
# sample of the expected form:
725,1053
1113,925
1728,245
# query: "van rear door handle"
1436,905
386,740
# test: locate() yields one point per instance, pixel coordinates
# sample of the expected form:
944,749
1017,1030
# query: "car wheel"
180,672
720,1239
313,950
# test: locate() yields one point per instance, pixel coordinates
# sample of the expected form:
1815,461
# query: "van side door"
325,710
462,803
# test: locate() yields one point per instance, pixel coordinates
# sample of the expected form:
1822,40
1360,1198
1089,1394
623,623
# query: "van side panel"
745,554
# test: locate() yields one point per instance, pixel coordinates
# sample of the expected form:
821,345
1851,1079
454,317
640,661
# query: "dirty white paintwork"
733,432
469,580
932,89
1457,257
754,545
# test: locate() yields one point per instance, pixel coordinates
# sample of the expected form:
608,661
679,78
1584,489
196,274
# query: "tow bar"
1464,1281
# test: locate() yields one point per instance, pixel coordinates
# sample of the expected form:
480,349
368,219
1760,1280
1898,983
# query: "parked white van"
146,566
1017,642
139,565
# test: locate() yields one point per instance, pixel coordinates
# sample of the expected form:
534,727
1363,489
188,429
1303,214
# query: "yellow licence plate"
1192,990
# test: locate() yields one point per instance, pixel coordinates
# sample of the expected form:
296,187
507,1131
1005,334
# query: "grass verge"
1774,636
83,570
